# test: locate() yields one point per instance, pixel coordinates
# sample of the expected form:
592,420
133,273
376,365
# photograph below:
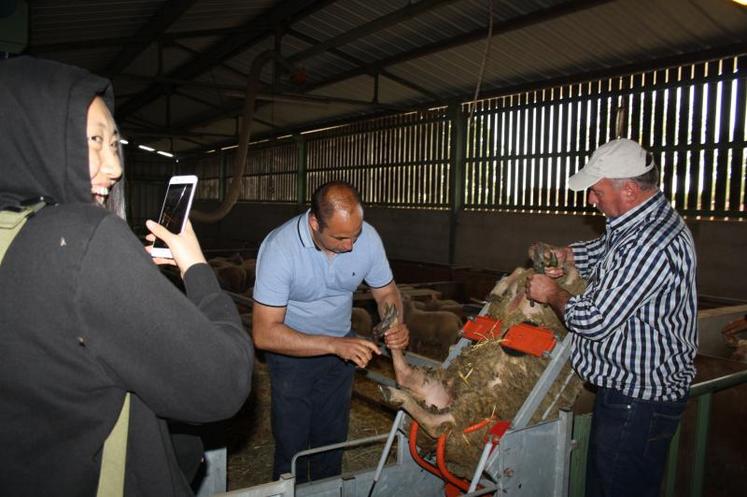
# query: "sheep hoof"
389,396
445,427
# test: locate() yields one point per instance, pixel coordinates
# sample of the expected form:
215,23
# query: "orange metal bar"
441,461
478,425
441,470
414,451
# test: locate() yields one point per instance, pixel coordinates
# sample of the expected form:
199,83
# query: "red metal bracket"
481,328
497,431
522,337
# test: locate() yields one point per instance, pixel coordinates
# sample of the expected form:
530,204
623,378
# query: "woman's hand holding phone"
177,203
184,247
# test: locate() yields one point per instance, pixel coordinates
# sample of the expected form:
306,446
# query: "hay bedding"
250,446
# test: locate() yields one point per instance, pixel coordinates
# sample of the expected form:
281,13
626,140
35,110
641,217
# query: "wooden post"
301,183
456,173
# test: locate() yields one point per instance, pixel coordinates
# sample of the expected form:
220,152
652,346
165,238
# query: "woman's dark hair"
115,202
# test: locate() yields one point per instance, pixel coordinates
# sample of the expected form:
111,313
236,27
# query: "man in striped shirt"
634,327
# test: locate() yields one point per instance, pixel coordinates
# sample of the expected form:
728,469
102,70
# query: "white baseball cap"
621,158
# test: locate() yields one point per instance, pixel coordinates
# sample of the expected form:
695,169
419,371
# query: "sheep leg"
402,370
421,385
433,424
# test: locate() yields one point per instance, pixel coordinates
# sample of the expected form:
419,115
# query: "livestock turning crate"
517,460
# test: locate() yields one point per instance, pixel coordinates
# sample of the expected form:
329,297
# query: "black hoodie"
43,109
86,316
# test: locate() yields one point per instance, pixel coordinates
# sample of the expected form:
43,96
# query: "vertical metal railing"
702,394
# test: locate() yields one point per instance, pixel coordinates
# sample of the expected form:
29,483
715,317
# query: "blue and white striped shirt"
635,326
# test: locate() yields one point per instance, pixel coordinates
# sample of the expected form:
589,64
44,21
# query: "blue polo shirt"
317,291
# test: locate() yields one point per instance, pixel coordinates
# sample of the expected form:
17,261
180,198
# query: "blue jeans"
628,444
310,408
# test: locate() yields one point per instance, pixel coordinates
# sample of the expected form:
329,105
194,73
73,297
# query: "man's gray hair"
646,181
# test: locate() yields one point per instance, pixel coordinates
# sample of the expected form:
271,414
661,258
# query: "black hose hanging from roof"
250,98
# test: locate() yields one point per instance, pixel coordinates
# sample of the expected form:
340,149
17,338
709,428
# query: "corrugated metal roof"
200,52
53,21
219,14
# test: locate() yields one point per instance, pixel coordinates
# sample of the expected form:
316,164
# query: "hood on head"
43,117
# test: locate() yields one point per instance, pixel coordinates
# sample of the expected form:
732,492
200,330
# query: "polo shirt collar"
637,214
304,232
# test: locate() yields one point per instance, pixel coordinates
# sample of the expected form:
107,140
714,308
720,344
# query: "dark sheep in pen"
361,322
733,334
431,332
234,273
442,305
485,382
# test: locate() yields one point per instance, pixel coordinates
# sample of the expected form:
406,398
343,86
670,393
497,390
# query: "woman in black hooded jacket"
85,315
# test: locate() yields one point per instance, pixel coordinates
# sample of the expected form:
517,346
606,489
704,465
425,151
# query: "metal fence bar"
581,431
701,442
283,487
701,392
671,470
341,445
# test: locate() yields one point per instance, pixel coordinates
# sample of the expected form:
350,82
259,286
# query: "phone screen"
174,209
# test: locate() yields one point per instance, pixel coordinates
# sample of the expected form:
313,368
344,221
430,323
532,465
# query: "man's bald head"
334,196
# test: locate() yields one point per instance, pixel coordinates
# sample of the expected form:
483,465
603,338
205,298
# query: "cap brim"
581,181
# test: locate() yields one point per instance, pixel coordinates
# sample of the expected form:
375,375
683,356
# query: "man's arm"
270,333
545,290
398,336
586,254
607,303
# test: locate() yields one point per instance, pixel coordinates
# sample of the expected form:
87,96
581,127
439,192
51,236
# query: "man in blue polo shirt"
634,328
307,271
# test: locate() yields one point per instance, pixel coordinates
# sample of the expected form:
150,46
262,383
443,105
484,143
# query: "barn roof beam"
513,24
686,58
223,65
147,34
238,92
175,133
285,13
167,39
383,22
202,63
354,60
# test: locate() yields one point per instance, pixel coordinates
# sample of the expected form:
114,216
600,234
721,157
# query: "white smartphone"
175,210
